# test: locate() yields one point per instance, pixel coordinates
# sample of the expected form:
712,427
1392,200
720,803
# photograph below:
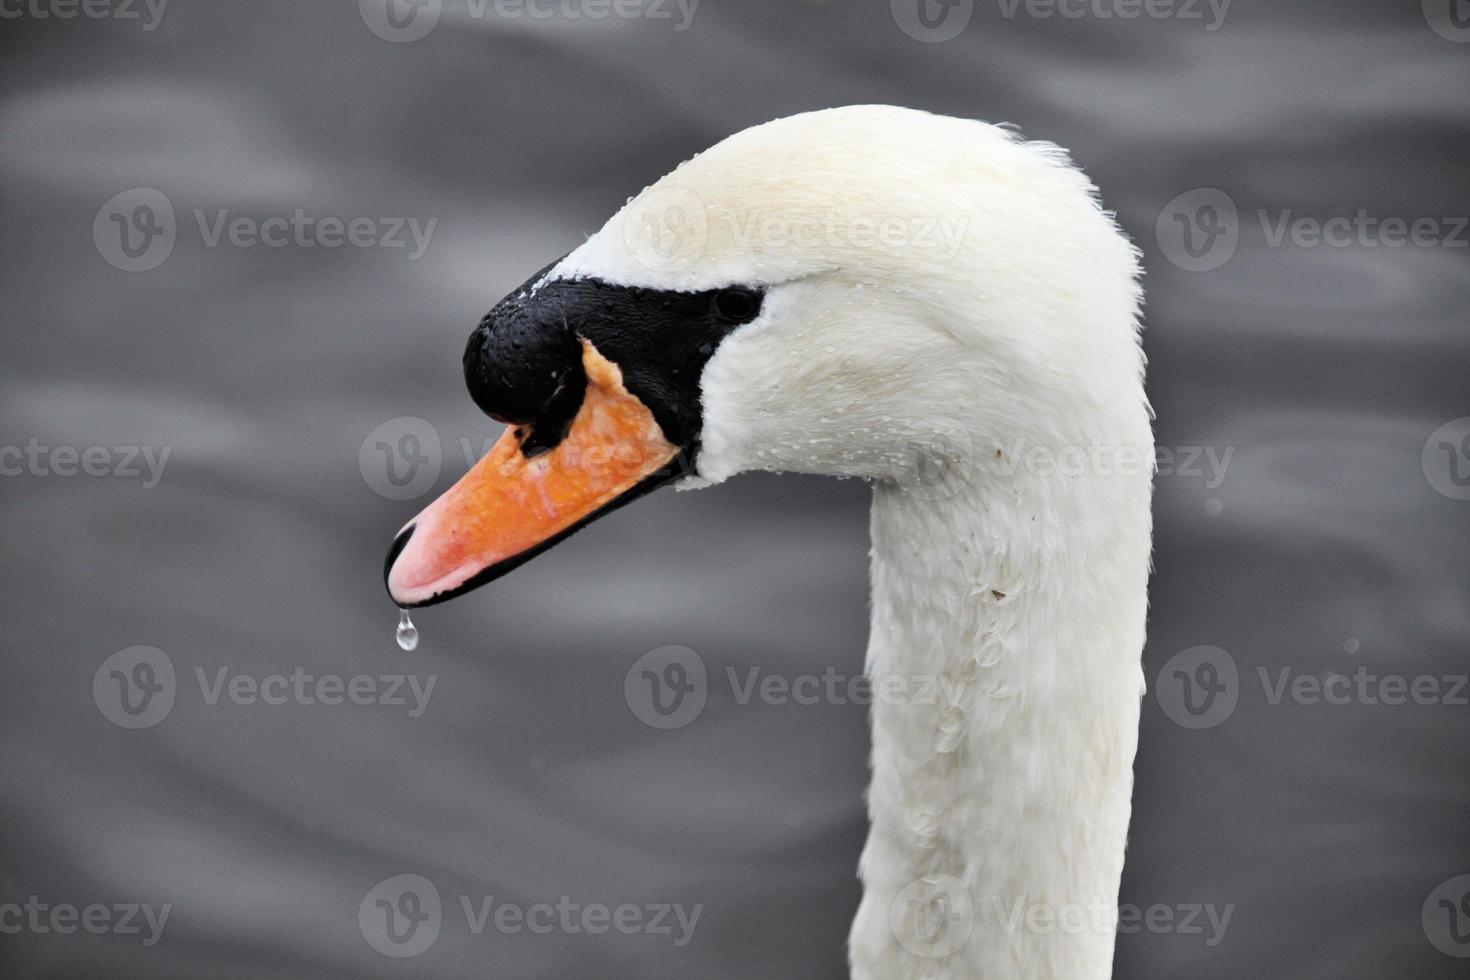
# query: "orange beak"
509,507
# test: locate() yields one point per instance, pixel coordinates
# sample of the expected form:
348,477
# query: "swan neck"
1013,611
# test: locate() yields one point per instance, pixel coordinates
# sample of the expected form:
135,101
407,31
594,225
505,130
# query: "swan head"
868,291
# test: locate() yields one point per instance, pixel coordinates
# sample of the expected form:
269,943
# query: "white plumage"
951,314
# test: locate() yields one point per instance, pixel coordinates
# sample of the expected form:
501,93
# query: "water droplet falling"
407,632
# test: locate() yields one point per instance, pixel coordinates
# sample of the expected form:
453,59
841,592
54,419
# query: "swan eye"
737,304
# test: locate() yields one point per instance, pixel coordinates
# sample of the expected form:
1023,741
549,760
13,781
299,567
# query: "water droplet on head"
407,632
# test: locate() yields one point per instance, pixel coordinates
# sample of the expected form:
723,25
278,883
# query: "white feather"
955,369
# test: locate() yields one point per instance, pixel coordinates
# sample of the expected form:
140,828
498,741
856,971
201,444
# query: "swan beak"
511,506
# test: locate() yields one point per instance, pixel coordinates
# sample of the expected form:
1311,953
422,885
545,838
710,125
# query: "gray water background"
1323,548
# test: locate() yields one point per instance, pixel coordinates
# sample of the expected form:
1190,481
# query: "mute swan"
937,306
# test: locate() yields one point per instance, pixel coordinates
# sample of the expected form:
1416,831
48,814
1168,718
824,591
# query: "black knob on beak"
523,366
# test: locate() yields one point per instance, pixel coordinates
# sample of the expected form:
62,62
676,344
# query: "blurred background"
208,441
